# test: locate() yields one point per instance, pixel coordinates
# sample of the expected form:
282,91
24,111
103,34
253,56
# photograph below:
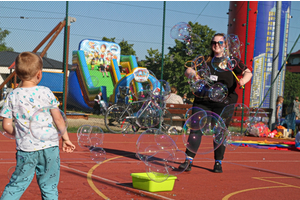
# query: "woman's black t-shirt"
225,77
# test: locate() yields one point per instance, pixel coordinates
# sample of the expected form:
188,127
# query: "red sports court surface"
249,173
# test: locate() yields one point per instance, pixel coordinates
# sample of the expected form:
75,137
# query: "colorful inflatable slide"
86,78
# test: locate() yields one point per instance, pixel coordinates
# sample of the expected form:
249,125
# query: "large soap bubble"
234,46
236,117
48,124
218,92
83,136
159,153
180,31
19,112
148,115
208,129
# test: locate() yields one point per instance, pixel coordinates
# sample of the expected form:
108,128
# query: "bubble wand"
223,65
237,78
227,52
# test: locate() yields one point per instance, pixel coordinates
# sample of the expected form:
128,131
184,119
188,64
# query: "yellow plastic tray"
143,182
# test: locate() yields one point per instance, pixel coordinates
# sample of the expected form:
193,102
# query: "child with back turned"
33,155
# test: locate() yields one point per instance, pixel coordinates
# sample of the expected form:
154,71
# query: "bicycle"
122,118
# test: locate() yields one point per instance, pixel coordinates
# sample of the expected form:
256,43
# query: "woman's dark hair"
212,54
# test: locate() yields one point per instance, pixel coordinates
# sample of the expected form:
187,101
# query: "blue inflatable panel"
54,81
75,98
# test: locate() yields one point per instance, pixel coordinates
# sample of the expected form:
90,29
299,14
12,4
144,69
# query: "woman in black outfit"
218,45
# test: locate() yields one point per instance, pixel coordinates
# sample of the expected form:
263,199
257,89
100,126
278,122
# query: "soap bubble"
83,136
218,92
93,81
18,113
180,31
209,130
98,154
43,124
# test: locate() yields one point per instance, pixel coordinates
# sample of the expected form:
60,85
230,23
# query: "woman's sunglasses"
215,43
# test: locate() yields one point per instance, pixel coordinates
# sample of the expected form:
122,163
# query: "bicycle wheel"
118,119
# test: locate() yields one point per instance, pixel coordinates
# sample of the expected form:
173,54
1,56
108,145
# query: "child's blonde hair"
27,65
279,98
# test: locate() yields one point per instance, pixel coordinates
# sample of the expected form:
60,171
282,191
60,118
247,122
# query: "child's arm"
8,127
277,112
67,145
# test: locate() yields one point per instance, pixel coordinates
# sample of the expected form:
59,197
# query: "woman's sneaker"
187,165
218,167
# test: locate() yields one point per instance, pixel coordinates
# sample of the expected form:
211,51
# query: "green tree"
108,39
291,88
153,62
3,46
174,61
126,49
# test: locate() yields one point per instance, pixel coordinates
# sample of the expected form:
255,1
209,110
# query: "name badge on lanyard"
214,77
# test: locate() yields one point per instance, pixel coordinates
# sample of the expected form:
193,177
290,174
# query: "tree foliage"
127,49
3,46
291,87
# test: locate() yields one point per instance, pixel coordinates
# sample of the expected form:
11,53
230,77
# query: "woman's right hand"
190,73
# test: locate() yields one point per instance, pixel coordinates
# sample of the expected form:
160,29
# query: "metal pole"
245,60
163,42
274,92
64,106
162,61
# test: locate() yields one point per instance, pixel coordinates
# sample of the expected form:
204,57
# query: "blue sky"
138,22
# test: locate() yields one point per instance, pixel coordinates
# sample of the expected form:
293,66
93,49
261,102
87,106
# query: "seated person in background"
103,69
185,100
174,97
100,104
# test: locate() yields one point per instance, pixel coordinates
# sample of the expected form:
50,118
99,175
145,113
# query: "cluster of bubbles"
183,32
235,46
231,56
156,146
226,129
160,154
203,125
201,83
200,79
91,138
